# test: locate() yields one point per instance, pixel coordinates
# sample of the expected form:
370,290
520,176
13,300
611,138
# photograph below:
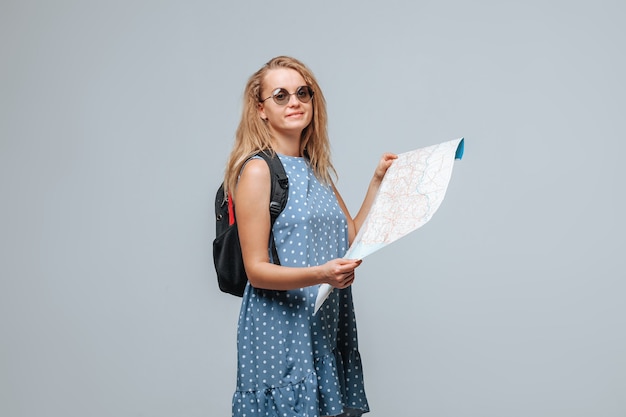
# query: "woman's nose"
293,100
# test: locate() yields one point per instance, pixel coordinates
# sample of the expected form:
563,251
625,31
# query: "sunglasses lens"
281,96
304,93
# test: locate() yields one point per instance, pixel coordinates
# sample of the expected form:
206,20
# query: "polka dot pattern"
291,363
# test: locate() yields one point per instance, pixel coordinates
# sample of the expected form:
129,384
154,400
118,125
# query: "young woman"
291,362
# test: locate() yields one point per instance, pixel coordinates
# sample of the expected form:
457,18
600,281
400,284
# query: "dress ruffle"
316,395
299,398
341,369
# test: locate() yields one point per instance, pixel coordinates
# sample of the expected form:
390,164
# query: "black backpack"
231,275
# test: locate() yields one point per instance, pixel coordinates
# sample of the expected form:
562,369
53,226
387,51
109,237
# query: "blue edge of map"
460,149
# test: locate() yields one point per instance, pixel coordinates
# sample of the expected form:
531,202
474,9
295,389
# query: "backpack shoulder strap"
278,194
280,184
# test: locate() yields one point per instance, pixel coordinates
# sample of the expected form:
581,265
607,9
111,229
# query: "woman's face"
289,119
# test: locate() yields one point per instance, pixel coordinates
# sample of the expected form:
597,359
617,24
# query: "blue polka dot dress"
292,363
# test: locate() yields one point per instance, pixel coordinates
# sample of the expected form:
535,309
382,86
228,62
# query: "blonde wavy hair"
253,135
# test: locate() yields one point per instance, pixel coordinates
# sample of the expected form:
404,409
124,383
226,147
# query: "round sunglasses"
281,96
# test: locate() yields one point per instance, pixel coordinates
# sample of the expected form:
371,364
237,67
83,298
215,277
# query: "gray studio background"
116,119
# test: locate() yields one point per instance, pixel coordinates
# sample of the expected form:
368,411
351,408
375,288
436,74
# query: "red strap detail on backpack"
231,211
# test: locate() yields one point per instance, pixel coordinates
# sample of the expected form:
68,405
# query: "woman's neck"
286,146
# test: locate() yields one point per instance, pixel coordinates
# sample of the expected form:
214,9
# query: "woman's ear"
261,111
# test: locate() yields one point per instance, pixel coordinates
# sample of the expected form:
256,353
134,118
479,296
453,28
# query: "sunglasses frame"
288,95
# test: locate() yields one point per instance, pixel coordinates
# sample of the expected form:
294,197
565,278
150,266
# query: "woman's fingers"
341,272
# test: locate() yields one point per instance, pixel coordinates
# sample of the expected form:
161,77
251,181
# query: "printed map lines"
409,195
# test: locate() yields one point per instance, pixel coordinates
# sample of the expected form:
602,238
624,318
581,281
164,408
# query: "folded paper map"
411,192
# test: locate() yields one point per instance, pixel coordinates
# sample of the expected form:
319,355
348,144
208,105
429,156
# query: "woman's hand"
385,162
339,273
